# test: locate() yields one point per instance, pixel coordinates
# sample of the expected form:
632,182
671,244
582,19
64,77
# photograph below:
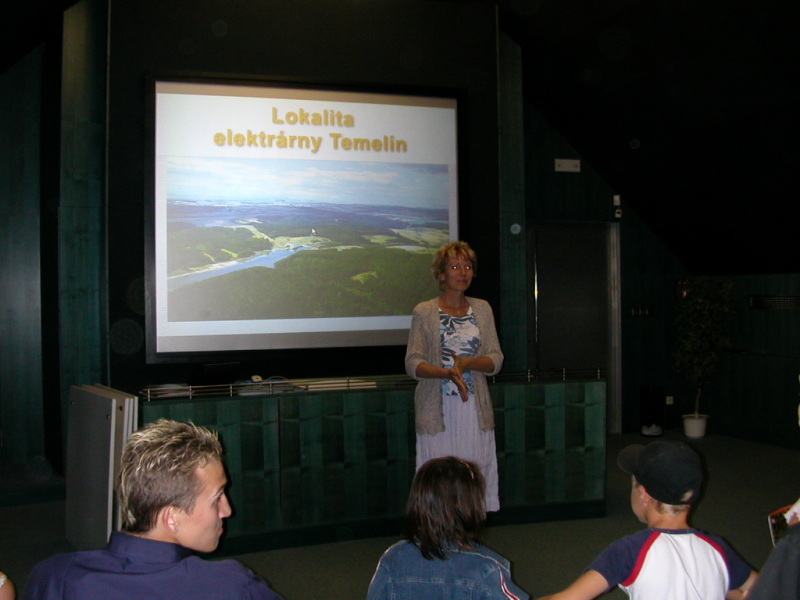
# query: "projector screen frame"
330,341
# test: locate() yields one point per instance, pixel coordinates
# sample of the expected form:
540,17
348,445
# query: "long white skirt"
462,437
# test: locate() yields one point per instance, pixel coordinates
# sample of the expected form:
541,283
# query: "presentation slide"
295,218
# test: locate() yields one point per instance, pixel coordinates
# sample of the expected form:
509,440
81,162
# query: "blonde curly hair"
455,249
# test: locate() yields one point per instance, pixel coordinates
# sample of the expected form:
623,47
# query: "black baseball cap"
670,470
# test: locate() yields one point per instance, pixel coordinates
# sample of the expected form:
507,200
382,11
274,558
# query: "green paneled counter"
311,466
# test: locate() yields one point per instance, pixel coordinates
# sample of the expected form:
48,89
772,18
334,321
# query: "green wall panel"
755,392
21,395
306,461
83,344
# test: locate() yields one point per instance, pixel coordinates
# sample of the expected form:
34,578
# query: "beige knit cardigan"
424,345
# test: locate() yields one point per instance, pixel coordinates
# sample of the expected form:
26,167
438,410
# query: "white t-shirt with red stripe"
663,564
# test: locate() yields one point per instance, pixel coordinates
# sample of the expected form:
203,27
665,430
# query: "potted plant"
701,333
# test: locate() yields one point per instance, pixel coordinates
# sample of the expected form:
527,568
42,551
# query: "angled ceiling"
690,110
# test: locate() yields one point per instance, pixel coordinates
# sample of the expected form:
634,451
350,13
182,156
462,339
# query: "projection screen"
293,217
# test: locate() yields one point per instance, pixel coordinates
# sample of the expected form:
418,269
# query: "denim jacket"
480,574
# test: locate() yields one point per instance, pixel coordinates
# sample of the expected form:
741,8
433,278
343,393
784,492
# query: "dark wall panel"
755,392
21,414
571,326
649,275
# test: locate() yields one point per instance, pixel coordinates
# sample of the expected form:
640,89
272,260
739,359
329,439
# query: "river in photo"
270,259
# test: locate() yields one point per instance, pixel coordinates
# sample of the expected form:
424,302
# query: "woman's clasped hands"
456,375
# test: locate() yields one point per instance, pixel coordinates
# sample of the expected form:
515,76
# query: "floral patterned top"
460,336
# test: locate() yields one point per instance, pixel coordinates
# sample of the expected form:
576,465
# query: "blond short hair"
452,250
158,469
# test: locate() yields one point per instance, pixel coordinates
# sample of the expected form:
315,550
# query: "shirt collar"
146,550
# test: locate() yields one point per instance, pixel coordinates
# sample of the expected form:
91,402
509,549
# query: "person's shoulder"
400,554
479,304
785,552
52,570
427,309
491,556
616,560
792,534
480,563
645,536
60,561
228,567
632,541
713,539
426,305
401,548
234,574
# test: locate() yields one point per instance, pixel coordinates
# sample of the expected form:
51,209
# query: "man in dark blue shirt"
172,499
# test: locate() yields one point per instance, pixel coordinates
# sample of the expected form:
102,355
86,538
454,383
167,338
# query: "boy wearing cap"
669,560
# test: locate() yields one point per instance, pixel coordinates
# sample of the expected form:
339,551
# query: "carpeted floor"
746,482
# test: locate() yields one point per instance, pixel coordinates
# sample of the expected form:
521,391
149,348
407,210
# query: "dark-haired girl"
441,556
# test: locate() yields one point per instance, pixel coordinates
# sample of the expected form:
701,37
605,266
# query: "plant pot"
694,426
